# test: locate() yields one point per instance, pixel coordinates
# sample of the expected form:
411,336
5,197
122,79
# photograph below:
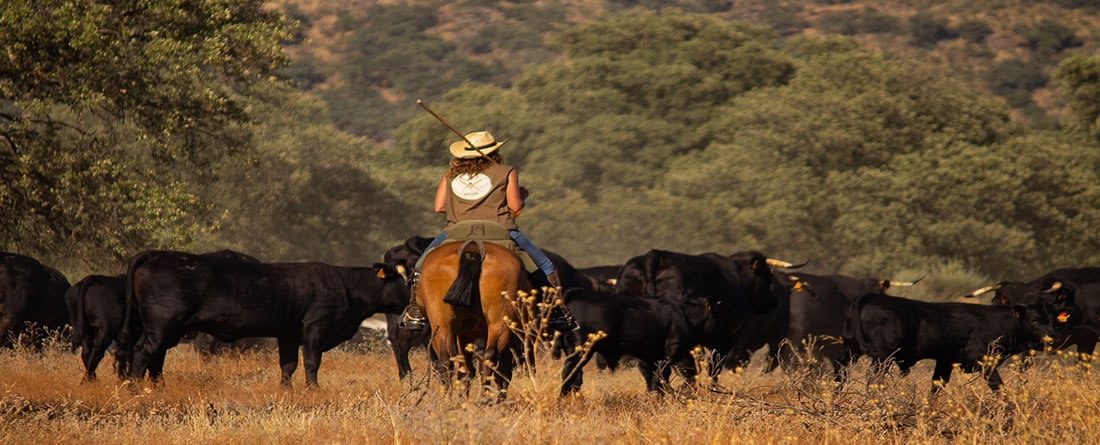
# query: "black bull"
907,331
30,292
730,290
811,311
97,308
1083,283
312,306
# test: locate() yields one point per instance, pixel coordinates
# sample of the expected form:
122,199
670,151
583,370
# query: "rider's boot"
554,281
412,318
560,320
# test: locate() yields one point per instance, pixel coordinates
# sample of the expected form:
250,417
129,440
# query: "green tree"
1015,79
1079,80
928,29
1049,37
306,192
975,30
106,107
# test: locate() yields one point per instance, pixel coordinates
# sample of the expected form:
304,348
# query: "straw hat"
483,145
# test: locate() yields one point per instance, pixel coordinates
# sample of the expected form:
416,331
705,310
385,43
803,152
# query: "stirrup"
410,321
565,323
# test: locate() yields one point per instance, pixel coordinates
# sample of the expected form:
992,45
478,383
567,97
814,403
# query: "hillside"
371,59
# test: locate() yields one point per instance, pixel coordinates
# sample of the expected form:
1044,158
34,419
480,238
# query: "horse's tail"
466,286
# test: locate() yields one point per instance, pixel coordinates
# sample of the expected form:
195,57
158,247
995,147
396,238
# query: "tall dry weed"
236,398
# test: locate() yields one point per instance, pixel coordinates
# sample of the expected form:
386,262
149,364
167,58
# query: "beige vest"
480,196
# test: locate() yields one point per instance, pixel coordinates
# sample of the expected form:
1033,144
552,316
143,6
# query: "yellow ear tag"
798,286
1063,317
381,274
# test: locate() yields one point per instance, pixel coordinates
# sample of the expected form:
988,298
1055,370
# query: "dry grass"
236,399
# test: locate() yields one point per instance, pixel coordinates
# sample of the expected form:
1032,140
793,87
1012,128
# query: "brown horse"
462,289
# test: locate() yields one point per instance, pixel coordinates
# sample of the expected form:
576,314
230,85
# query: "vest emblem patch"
471,187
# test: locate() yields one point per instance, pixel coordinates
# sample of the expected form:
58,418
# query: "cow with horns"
1083,283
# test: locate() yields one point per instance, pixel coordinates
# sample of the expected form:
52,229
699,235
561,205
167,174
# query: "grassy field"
236,399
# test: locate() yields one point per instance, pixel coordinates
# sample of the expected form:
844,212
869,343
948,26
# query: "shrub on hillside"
1015,79
928,29
974,30
844,22
1049,37
783,18
874,22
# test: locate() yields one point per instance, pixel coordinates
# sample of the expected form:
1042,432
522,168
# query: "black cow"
884,327
97,308
652,329
310,305
811,310
742,282
1084,282
30,292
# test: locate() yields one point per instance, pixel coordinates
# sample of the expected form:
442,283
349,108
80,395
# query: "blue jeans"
544,263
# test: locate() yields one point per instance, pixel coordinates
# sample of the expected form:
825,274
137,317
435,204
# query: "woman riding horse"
464,284
479,186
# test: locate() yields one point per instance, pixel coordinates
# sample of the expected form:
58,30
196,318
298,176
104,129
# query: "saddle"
485,231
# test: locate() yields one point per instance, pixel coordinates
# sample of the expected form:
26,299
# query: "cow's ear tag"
1018,311
1004,299
381,273
757,264
1063,317
798,286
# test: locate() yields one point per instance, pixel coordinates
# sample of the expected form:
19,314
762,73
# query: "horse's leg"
499,355
442,344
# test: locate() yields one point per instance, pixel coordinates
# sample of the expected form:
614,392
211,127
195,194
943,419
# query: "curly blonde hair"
473,166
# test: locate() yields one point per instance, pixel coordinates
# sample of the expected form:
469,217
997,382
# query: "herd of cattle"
655,308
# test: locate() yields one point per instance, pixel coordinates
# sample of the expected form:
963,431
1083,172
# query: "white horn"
777,263
1053,287
982,291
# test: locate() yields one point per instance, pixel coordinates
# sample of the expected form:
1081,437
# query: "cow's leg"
664,372
843,365
401,346
93,352
87,356
150,344
771,359
994,380
311,356
156,365
288,359
572,372
649,373
1086,346
942,374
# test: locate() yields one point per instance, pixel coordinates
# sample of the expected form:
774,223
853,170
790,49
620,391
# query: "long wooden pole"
440,119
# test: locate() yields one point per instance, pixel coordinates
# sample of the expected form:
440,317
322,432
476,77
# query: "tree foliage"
696,134
108,107
1080,77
